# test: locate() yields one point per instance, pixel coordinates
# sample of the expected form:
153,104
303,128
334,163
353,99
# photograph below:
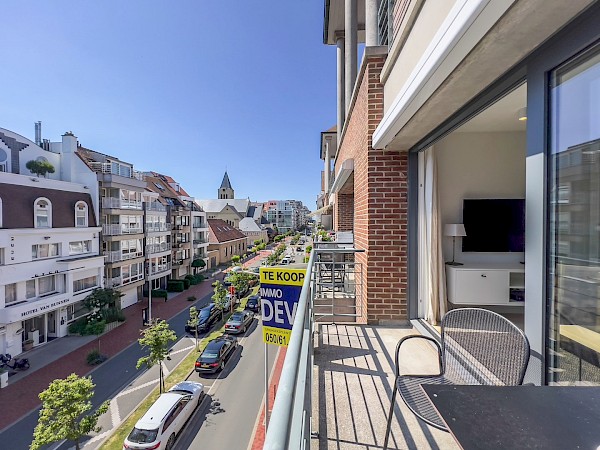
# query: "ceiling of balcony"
333,22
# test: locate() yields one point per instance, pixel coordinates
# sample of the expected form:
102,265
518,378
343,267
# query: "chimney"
68,150
38,133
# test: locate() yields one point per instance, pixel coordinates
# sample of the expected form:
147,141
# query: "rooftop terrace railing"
290,425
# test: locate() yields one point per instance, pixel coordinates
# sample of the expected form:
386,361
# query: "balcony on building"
199,224
155,206
158,248
157,270
118,203
120,255
120,229
158,227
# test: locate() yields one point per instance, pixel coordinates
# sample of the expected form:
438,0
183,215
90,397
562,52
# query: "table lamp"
454,229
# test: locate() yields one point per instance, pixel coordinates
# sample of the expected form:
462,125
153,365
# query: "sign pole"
266,386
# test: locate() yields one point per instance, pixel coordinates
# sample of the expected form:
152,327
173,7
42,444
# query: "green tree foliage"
235,259
257,242
193,322
156,338
63,414
39,167
102,298
219,294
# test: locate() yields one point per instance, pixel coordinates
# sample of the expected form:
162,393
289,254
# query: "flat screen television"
494,225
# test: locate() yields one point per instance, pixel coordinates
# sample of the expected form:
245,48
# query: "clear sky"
187,88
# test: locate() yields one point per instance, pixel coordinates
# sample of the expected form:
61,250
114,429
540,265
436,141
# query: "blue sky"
188,88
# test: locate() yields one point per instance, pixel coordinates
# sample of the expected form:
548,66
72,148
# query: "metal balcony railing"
113,282
158,248
119,229
155,206
155,269
290,425
119,255
117,203
158,227
200,225
199,241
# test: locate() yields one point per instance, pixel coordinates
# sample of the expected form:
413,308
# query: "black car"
253,303
216,354
207,316
239,322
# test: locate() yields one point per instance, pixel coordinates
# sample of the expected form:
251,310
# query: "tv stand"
485,284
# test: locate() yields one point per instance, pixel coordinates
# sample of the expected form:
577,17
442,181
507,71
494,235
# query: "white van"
285,261
158,428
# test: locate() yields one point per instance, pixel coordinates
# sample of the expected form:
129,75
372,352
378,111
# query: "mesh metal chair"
478,347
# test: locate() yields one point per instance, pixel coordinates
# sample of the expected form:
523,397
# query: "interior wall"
478,166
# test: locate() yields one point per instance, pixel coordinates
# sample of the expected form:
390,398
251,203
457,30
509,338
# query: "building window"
40,251
43,213
81,214
47,285
30,289
573,268
85,284
78,247
10,293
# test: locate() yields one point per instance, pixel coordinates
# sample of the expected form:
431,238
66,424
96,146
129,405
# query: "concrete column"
327,165
371,8
351,48
341,102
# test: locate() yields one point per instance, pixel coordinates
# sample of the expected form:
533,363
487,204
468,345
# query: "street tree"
157,338
193,322
219,295
64,413
235,259
39,167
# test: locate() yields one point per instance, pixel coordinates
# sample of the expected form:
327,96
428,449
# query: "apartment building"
473,122
157,235
122,219
49,245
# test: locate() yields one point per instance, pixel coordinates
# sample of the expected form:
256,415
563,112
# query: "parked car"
253,303
158,428
207,317
298,249
216,354
239,322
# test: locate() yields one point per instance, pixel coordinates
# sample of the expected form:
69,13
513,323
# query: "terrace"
336,384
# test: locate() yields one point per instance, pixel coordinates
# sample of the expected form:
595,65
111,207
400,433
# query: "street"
226,417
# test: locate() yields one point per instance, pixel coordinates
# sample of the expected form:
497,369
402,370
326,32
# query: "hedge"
175,286
156,293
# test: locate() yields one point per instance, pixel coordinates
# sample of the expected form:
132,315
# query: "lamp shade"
454,229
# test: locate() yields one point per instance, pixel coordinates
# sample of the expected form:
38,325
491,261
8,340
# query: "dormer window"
81,214
43,213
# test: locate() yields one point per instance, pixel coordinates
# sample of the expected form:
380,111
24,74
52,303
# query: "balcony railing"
123,171
113,282
158,227
199,241
158,248
155,206
199,225
118,255
290,423
117,203
118,229
155,269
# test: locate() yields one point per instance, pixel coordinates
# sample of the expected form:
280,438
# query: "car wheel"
170,442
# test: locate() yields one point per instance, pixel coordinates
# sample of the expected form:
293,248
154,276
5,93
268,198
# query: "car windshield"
142,436
204,313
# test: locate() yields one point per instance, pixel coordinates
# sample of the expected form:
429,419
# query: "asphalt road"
110,378
226,417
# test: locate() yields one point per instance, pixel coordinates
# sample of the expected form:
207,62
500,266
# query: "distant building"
224,242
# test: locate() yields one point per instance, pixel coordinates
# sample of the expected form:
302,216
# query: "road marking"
97,438
165,369
141,386
115,417
182,349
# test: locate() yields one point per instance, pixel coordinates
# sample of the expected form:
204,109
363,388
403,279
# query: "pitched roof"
248,224
219,231
225,184
217,205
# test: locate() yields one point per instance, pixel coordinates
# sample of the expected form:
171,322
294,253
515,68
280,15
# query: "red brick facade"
344,214
380,197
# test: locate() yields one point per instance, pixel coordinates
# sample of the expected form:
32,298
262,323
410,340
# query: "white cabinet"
485,284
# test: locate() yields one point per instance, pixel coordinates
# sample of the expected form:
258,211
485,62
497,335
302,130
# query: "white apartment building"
49,257
158,240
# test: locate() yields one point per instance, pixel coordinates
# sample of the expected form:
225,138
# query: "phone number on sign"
276,337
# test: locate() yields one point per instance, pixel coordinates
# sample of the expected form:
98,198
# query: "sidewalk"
21,395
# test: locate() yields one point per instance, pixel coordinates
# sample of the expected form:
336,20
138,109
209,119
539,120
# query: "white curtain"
432,277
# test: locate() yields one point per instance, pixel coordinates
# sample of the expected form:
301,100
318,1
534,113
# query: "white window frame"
85,245
36,251
81,208
48,209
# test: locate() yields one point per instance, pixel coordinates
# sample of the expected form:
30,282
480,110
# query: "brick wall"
380,203
344,214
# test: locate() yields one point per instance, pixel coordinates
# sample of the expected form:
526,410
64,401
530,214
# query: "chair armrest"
418,336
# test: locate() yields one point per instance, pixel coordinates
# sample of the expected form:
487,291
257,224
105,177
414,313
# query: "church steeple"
225,191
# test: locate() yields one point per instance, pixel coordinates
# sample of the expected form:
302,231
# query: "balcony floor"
353,380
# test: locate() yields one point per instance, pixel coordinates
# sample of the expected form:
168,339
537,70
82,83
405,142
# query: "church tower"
225,191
